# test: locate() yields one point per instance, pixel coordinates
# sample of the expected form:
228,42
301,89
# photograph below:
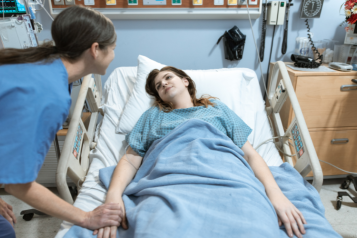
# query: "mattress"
111,146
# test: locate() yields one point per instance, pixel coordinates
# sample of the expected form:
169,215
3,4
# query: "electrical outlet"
218,2
69,2
242,2
58,2
253,2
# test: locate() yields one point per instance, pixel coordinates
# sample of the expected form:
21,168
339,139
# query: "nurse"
34,103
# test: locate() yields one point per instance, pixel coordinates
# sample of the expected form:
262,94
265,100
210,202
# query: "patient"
176,103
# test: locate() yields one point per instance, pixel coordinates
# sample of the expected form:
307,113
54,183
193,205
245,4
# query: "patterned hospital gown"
155,124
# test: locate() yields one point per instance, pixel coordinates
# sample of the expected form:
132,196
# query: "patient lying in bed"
196,175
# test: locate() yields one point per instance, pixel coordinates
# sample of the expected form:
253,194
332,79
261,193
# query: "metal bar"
348,87
57,149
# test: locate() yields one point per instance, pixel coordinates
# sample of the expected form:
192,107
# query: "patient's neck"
182,101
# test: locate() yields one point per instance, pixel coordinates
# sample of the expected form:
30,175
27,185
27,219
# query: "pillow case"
231,86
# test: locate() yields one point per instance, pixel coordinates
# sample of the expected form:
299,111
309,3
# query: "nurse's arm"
44,200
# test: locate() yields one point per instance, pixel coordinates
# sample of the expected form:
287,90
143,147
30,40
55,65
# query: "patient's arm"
286,211
124,173
122,176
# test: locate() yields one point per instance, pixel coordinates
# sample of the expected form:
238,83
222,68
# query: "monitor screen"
12,7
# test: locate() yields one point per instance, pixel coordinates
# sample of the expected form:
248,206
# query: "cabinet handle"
348,87
340,141
354,80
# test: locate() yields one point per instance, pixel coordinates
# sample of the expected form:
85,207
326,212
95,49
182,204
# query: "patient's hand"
110,231
288,215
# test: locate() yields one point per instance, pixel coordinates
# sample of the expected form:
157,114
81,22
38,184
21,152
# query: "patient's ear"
185,82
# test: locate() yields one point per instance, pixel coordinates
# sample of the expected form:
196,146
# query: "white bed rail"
308,160
74,159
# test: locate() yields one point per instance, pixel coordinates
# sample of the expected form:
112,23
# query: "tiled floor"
344,221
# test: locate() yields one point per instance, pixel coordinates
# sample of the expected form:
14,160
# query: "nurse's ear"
94,50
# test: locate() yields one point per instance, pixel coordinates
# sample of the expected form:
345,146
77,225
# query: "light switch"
197,2
218,2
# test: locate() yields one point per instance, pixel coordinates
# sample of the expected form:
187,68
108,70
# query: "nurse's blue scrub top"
34,103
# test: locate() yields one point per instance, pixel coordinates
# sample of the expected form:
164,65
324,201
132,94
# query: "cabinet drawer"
331,146
324,104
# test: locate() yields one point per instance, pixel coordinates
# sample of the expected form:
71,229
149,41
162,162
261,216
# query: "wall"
191,44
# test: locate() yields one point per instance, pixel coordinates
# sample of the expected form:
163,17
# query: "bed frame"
74,158
75,162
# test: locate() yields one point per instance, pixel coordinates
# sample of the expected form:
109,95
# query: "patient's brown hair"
167,106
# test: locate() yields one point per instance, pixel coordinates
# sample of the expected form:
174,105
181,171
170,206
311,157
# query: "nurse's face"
169,85
105,57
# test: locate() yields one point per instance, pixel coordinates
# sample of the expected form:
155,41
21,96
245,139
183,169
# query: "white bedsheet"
110,146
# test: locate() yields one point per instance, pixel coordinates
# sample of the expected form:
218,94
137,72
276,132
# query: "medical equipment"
234,41
17,32
284,46
264,30
340,66
10,8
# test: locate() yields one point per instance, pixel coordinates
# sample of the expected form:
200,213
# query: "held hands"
109,214
111,231
6,212
288,215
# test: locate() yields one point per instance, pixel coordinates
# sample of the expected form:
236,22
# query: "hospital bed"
102,147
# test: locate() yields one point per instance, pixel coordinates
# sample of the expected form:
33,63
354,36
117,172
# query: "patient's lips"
167,89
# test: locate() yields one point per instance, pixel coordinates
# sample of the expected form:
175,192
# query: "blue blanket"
194,182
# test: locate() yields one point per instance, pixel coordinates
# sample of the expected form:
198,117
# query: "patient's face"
169,85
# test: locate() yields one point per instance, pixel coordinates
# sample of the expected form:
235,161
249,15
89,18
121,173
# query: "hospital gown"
155,124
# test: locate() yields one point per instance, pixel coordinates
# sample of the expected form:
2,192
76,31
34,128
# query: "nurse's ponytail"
73,31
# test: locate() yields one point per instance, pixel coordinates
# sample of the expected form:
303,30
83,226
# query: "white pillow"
231,86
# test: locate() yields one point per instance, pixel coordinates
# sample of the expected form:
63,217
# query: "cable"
312,43
338,167
3,10
256,47
44,9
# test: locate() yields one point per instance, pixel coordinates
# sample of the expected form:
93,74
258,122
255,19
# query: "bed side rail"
307,159
74,159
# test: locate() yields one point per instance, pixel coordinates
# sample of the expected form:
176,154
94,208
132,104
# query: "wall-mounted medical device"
276,12
17,32
167,9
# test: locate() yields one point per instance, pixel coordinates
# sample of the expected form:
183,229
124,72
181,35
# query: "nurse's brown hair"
73,31
167,106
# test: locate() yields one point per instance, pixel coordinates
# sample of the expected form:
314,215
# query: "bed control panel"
295,133
78,142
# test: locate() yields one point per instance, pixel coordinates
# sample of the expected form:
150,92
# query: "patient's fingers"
95,232
100,233
113,231
106,232
294,226
124,223
299,222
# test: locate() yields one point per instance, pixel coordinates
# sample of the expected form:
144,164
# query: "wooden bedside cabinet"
328,101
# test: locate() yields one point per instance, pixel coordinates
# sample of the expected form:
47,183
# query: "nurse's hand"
6,212
110,232
109,214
